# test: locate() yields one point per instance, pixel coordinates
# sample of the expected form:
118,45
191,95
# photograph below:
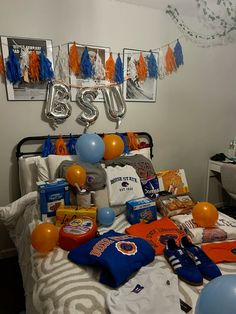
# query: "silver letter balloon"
58,108
114,103
90,113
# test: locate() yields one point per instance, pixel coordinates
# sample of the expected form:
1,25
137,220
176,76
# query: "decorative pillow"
118,254
102,200
42,169
28,173
54,162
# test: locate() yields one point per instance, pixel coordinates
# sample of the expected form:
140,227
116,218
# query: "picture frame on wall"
26,90
133,89
78,80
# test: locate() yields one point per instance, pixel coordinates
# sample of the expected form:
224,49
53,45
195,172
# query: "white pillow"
28,173
42,169
101,200
54,162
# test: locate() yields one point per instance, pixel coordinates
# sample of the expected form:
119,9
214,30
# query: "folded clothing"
123,184
152,290
224,229
222,252
157,233
118,254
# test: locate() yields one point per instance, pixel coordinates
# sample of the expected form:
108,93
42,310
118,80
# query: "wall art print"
24,90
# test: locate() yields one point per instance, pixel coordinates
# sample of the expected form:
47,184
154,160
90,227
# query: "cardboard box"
171,205
65,214
141,209
51,195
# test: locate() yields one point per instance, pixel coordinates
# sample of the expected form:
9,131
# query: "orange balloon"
44,237
114,146
76,175
205,214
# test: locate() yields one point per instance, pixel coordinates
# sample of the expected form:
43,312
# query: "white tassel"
61,66
24,63
132,71
99,71
161,65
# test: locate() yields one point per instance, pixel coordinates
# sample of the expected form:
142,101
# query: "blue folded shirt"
118,254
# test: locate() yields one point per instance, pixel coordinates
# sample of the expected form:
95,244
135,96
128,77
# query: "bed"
52,283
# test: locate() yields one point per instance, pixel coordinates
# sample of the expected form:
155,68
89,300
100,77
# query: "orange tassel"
141,68
74,63
34,66
60,147
170,61
110,68
133,140
2,69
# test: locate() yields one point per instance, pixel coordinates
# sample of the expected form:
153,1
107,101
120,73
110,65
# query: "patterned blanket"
55,285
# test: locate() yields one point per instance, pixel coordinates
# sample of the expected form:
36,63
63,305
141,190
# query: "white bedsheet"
55,285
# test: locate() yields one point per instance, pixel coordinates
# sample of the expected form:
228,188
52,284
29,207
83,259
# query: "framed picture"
78,79
26,90
134,89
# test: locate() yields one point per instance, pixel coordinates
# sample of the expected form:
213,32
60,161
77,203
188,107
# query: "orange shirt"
157,233
221,252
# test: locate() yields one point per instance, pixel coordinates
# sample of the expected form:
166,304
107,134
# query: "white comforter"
55,285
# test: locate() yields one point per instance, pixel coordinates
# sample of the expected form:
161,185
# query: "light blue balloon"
106,216
90,148
218,296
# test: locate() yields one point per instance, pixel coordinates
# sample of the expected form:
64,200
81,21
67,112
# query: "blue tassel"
71,145
152,66
46,71
86,65
178,53
13,68
126,146
119,71
48,147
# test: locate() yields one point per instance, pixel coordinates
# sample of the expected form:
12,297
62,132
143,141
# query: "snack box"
171,205
65,214
52,194
141,209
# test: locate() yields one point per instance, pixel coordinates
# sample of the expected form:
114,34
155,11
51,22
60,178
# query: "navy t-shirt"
118,254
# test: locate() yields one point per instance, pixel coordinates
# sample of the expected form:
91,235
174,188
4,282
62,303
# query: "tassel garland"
13,68
86,65
34,66
152,66
48,147
110,68
119,71
61,66
178,53
46,71
71,145
24,63
74,60
2,69
99,71
170,61
161,65
132,70
60,147
141,68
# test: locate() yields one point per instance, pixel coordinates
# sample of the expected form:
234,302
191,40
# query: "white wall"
193,118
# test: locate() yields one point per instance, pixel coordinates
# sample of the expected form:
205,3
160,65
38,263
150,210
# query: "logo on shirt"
137,288
126,247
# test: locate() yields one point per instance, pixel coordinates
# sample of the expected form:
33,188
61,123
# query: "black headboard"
23,146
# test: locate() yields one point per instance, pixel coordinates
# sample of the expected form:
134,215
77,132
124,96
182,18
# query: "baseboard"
8,253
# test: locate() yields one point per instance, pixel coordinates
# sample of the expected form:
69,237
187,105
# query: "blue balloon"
106,216
90,148
218,296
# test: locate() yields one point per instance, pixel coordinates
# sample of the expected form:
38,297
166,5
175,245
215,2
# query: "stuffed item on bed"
119,255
